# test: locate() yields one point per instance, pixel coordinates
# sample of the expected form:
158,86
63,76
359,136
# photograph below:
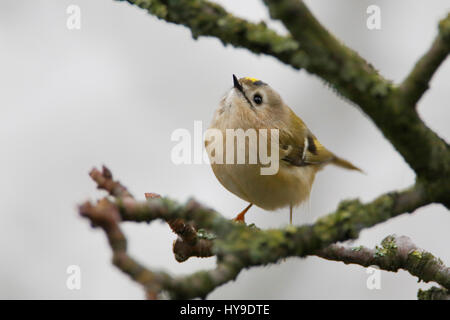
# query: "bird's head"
253,101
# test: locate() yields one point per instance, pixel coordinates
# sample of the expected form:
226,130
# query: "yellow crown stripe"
251,79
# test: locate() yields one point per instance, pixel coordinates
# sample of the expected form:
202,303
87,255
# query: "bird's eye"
257,98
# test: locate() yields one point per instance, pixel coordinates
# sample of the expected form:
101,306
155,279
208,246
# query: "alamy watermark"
373,21
73,281
374,280
234,146
74,19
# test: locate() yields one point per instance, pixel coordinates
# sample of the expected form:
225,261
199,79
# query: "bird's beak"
236,84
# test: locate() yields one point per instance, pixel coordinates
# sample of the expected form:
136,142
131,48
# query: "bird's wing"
300,147
306,151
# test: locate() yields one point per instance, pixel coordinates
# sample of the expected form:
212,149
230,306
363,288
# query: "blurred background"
113,92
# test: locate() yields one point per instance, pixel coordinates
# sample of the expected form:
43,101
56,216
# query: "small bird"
253,104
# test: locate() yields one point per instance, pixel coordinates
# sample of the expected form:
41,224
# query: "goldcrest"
253,104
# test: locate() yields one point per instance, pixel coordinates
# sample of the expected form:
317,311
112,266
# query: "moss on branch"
394,253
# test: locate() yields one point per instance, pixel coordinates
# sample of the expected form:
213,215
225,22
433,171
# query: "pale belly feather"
290,186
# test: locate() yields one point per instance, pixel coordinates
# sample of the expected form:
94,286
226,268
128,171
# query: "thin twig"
106,216
187,243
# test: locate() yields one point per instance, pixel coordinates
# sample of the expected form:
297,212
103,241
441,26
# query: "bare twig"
106,216
104,180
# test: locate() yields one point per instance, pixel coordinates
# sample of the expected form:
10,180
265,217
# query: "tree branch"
105,215
189,242
328,58
417,82
395,253
236,246
205,18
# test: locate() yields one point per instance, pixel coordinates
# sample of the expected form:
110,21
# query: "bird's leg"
241,216
290,214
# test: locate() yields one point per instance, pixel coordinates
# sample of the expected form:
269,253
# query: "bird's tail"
345,164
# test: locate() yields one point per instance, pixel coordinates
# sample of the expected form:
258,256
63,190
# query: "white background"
113,92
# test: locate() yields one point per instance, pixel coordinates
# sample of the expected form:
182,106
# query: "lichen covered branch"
235,245
394,253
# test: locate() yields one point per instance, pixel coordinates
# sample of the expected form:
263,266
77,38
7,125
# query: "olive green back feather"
303,148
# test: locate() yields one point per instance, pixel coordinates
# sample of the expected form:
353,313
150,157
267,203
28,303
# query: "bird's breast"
290,185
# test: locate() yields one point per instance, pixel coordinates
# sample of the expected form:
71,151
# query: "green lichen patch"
203,234
416,254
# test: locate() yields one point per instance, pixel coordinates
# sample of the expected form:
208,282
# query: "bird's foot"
241,216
